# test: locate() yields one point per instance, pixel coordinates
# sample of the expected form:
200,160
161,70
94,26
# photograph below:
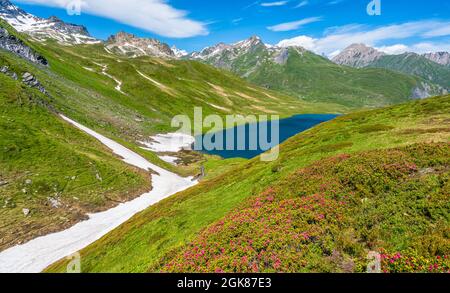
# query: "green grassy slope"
44,161
152,238
153,91
314,78
417,65
328,216
68,169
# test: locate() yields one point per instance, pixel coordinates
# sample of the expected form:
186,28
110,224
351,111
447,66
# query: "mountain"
337,192
158,89
414,64
225,56
424,66
178,52
442,58
43,29
310,77
53,175
129,45
358,55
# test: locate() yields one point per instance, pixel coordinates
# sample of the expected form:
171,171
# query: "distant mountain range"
299,72
434,67
289,69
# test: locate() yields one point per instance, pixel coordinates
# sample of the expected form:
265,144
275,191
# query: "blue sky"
324,26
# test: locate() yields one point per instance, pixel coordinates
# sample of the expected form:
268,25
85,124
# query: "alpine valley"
90,161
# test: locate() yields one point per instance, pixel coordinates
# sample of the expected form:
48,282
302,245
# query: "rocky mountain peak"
179,53
42,29
54,18
223,51
358,55
127,44
121,37
250,43
442,58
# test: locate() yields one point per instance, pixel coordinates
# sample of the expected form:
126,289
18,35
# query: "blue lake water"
287,128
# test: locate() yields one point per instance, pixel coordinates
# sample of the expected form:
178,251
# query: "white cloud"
301,4
337,38
151,15
428,47
272,4
237,20
438,32
303,41
289,26
335,2
394,49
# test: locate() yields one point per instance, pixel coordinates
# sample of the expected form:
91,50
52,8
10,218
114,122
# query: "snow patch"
169,143
41,252
169,159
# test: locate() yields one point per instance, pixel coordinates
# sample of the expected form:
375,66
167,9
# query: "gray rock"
25,212
31,81
358,55
8,72
55,203
282,57
16,46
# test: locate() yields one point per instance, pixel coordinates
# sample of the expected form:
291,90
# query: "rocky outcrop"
425,90
5,70
442,58
282,56
13,44
358,55
27,78
31,81
130,45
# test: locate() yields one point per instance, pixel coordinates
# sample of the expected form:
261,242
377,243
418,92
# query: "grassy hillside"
52,175
52,170
310,77
328,216
314,78
417,65
152,91
156,237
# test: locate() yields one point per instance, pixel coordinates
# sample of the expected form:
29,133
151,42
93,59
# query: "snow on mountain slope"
250,54
42,29
232,51
178,52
